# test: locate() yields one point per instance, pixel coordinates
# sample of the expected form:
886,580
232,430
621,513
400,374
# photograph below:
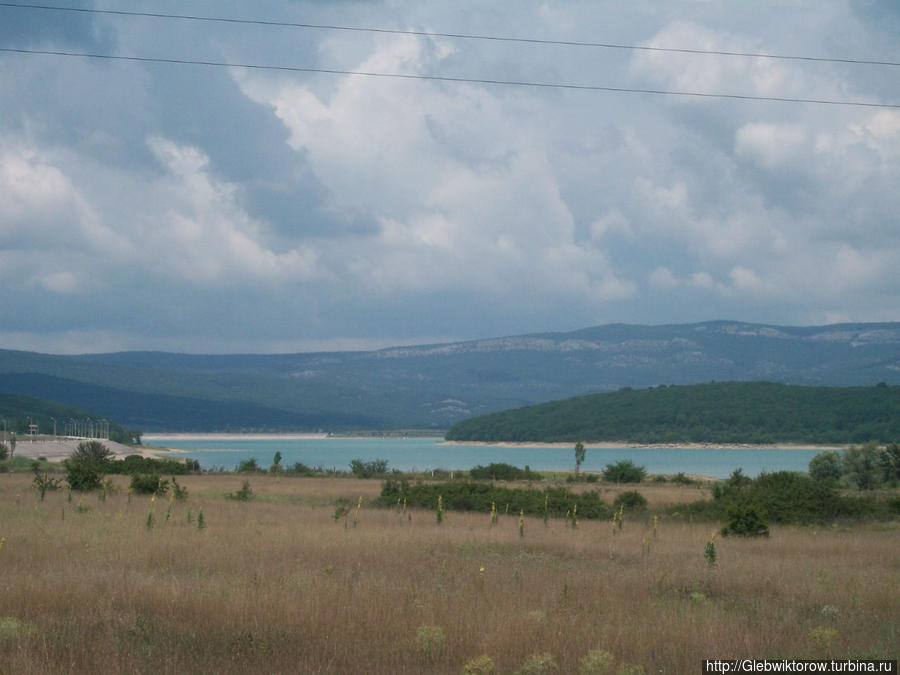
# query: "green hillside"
730,412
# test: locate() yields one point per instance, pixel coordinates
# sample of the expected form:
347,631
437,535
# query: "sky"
215,209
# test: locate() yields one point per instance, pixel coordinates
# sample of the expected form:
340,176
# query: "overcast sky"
213,209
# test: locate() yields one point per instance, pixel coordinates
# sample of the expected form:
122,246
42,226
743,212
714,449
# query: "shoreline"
59,449
232,437
623,445
614,445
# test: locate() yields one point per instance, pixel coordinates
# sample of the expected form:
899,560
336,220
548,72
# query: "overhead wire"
447,78
462,36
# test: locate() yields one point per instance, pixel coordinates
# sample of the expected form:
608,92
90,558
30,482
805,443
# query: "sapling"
709,552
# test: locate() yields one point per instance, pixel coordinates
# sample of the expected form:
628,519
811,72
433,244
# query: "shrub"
862,466
248,466
149,484
84,475
631,500
826,467
179,491
737,479
745,521
538,664
361,469
133,464
624,471
242,495
300,469
93,451
480,665
4,451
502,471
430,640
467,496
595,662
42,481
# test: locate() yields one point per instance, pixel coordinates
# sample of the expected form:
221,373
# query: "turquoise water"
422,454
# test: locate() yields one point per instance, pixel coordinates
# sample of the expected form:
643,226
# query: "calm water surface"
421,454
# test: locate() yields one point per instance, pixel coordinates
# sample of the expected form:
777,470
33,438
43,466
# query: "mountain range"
434,386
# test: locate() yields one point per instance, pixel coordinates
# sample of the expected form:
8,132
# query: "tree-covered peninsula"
718,412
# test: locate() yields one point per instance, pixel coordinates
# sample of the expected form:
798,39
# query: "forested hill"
729,412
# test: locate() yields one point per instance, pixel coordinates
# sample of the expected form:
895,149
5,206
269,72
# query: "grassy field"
277,585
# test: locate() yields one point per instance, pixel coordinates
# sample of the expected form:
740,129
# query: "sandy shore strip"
56,450
621,445
231,437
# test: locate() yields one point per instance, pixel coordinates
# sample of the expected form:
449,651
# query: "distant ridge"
434,386
727,412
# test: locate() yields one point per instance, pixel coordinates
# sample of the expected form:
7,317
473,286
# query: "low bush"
502,471
632,500
300,469
245,494
249,466
624,471
785,497
468,496
361,469
133,464
745,521
149,484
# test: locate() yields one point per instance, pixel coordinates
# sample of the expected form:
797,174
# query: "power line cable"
462,36
445,78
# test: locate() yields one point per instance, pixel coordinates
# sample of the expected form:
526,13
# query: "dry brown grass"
275,585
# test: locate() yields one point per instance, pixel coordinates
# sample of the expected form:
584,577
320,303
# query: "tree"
93,451
890,463
826,467
579,456
624,471
276,463
862,467
86,466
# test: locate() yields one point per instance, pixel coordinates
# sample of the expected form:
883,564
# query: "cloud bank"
188,208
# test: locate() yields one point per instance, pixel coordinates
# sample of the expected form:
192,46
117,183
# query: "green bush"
300,469
632,500
361,469
248,466
745,521
502,471
4,451
149,484
784,497
826,467
133,464
84,475
624,471
179,491
92,451
468,496
245,494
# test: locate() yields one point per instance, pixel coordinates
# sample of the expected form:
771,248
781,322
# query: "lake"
422,454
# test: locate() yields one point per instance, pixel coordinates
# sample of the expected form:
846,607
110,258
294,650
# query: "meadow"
287,583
